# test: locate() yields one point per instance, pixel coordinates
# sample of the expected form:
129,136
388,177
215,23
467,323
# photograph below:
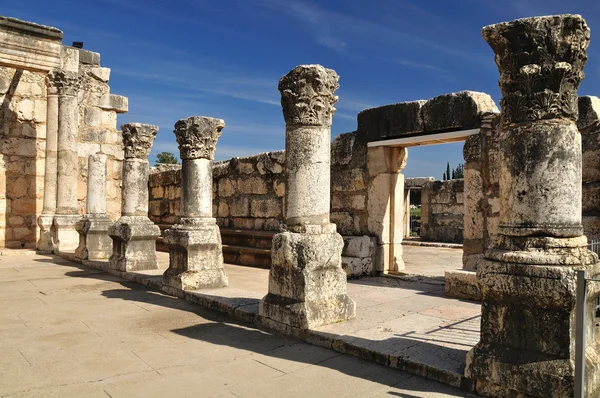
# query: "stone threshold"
243,305
410,242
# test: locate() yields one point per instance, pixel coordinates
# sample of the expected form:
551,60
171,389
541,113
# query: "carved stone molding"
541,61
63,83
307,95
197,136
138,139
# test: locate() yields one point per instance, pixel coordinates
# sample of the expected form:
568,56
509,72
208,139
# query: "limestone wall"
442,211
22,155
481,190
98,131
589,126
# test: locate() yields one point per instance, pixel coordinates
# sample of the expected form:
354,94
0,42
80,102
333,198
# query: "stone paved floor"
68,330
431,261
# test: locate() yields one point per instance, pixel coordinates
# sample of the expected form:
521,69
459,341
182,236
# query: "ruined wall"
22,155
98,131
481,190
589,126
442,211
248,193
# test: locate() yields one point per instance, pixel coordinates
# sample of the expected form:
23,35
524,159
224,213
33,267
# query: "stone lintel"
417,182
445,113
28,45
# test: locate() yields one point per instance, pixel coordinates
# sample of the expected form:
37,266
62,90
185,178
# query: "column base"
134,244
195,256
67,237
307,285
46,242
527,331
94,242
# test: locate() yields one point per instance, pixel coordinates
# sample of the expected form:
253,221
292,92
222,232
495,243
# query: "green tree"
166,158
459,171
447,170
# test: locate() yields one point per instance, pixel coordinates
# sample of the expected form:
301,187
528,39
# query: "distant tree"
459,171
165,158
448,171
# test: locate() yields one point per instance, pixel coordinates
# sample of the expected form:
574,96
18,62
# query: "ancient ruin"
528,273
195,250
323,212
134,235
307,285
94,242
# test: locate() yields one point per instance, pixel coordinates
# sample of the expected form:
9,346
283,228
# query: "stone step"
247,237
244,255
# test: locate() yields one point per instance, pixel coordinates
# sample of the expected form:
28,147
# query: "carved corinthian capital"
307,95
541,61
138,139
63,83
197,136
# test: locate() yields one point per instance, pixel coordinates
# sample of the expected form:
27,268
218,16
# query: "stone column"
528,275
46,242
134,235
307,285
94,242
195,250
67,166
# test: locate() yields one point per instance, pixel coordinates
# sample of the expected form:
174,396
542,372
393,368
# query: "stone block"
307,285
348,180
417,182
244,223
89,57
109,122
227,187
591,166
589,112
348,202
24,109
26,88
134,244
358,246
393,120
86,149
252,185
109,102
279,188
244,166
342,148
92,117
223,209
456,111
115,151
266,208
462,285
240,207
345,222
99,73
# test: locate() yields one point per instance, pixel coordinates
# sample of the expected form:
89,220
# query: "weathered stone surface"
456,111
528,276
27,45
357,246
138,139
102,74
307,95
89,57
393,120
195,257
417,182
589,112
462,285
134,244
197,136
307,285
94,242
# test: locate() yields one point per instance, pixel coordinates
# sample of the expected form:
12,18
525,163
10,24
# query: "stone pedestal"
195,249
195,256
134,234
67,161
46,242
94,242
528,275
307,285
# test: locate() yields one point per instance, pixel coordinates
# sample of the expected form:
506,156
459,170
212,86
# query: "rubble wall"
442,211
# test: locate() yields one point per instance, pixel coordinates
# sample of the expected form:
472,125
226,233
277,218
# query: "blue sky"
223,58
